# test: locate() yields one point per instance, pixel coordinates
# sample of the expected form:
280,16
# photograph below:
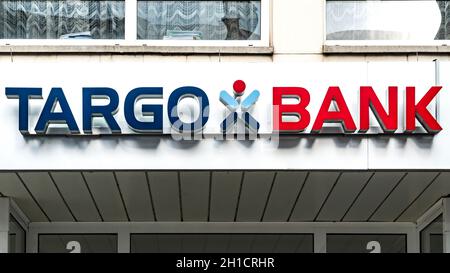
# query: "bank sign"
205,103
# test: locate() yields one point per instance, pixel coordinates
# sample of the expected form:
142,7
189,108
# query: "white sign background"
160,153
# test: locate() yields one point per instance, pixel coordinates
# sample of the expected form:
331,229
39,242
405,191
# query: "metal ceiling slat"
179,196
62,197
195,195
440,188
298,196
121,197
286,188
151,197
11,186
92,196
408,189
106,195
75,192
266,203
166,195
328,196
255,192
316,190
135,193
345,191
418,196
239,197
373,194
387,196
357,196
44,190
225,189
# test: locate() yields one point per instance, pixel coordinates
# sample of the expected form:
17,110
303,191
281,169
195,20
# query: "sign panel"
214,115
155,109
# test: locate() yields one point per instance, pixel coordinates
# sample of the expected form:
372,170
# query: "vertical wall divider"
130,20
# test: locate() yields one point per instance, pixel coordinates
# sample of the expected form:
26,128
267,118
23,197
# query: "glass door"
431,237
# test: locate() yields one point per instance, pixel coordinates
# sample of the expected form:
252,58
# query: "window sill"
384,49
135,49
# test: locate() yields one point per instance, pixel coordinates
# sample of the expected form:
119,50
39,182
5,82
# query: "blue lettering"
147,110
106,111
172,107
23,94
49,116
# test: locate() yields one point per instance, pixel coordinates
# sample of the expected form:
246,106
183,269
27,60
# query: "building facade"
225,126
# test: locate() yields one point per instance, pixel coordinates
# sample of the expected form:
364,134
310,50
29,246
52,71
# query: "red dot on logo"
239,87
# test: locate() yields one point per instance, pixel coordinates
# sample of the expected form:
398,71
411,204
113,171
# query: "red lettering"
299,110
342,115
369,100
419,111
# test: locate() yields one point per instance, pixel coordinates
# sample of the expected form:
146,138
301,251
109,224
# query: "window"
431,238
137,22
56,19
16,237
77,243
366,243
199,20
221,243
420,21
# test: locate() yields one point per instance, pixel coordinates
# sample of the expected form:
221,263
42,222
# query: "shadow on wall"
421,142
149,142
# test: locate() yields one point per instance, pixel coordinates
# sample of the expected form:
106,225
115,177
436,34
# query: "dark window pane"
16,237
221,243
420,20
431,239
199,20
78,243
366,243
41,19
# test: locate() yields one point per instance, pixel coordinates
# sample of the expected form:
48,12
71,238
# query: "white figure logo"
74,247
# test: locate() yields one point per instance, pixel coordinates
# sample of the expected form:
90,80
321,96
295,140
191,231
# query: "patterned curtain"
209,20
50,19
444,29
388,20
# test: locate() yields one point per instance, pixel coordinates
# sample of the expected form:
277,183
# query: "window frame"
131,40
225,234
404,235
318,229
116,235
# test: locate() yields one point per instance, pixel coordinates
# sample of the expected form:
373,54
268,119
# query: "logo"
239,108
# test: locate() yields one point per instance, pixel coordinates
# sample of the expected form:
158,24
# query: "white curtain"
385,20
50,19
212,20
